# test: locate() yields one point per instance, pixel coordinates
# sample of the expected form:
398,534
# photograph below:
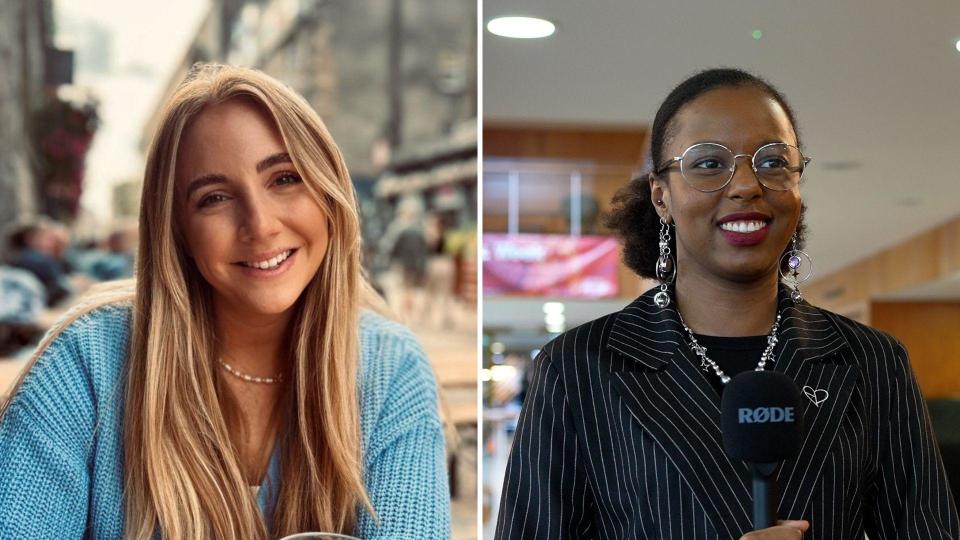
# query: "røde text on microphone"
763,415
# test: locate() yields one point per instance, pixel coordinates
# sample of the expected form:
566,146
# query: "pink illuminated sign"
550,265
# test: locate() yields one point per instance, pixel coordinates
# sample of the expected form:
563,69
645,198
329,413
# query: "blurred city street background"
395,81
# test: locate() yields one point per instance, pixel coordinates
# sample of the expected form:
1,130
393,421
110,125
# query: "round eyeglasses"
710,166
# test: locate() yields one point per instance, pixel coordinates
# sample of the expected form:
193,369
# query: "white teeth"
270,263
743,226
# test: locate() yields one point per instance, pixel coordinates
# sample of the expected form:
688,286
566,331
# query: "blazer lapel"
670,397
810,351
667,393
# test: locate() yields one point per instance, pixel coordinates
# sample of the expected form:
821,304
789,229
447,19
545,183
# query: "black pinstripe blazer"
619,437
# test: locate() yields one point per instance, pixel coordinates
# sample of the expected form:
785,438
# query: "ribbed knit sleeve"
45,440
405,475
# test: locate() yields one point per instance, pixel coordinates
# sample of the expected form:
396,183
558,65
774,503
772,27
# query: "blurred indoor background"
565,123
81,89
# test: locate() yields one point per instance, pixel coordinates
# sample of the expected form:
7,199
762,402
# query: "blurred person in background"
405,243
106,258
60,244
38,247
441,274
244,386
116,261
619,435
22,300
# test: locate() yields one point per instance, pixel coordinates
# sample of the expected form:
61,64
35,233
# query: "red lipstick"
745,238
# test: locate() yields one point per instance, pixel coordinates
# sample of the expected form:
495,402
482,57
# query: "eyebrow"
279,157
762,143
262,165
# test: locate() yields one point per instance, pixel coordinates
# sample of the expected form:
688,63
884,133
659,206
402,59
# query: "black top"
734,355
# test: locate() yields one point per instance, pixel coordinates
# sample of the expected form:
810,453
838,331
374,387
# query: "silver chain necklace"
706,363
250,378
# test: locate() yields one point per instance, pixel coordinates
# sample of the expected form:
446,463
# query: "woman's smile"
268,265
744,228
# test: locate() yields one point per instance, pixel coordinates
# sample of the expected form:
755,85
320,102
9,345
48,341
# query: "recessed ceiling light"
958,45
521,27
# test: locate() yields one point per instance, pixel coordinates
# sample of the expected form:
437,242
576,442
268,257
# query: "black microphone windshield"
761,417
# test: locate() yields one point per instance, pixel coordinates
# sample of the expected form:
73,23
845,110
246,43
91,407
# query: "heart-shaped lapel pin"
817,396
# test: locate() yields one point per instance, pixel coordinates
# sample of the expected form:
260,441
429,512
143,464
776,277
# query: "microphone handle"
765,495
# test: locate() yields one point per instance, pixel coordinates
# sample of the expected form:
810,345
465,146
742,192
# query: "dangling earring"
665,269
796,267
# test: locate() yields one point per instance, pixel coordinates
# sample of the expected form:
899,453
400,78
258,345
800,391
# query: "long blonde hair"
182,471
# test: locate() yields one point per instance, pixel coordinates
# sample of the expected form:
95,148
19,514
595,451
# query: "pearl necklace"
706,363
250,378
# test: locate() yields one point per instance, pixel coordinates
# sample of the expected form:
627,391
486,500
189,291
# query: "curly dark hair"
633,217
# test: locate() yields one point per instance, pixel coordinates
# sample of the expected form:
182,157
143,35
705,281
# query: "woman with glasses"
620,432
242,387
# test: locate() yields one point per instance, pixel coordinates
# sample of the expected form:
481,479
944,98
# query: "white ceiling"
876,83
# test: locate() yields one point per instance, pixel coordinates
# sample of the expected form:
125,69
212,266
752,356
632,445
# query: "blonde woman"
242,388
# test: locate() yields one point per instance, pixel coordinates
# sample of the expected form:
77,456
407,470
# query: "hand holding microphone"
761,424
785,530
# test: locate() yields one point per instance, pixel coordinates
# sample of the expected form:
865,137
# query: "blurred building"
25,36
395,83
377,71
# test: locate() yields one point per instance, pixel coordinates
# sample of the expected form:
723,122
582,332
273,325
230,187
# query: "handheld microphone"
761,422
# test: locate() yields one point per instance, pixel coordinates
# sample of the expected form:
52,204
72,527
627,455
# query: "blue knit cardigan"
61,457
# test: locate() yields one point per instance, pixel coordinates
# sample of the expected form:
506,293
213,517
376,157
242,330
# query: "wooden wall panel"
905,265
925,258
616,145
931,333
949,239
